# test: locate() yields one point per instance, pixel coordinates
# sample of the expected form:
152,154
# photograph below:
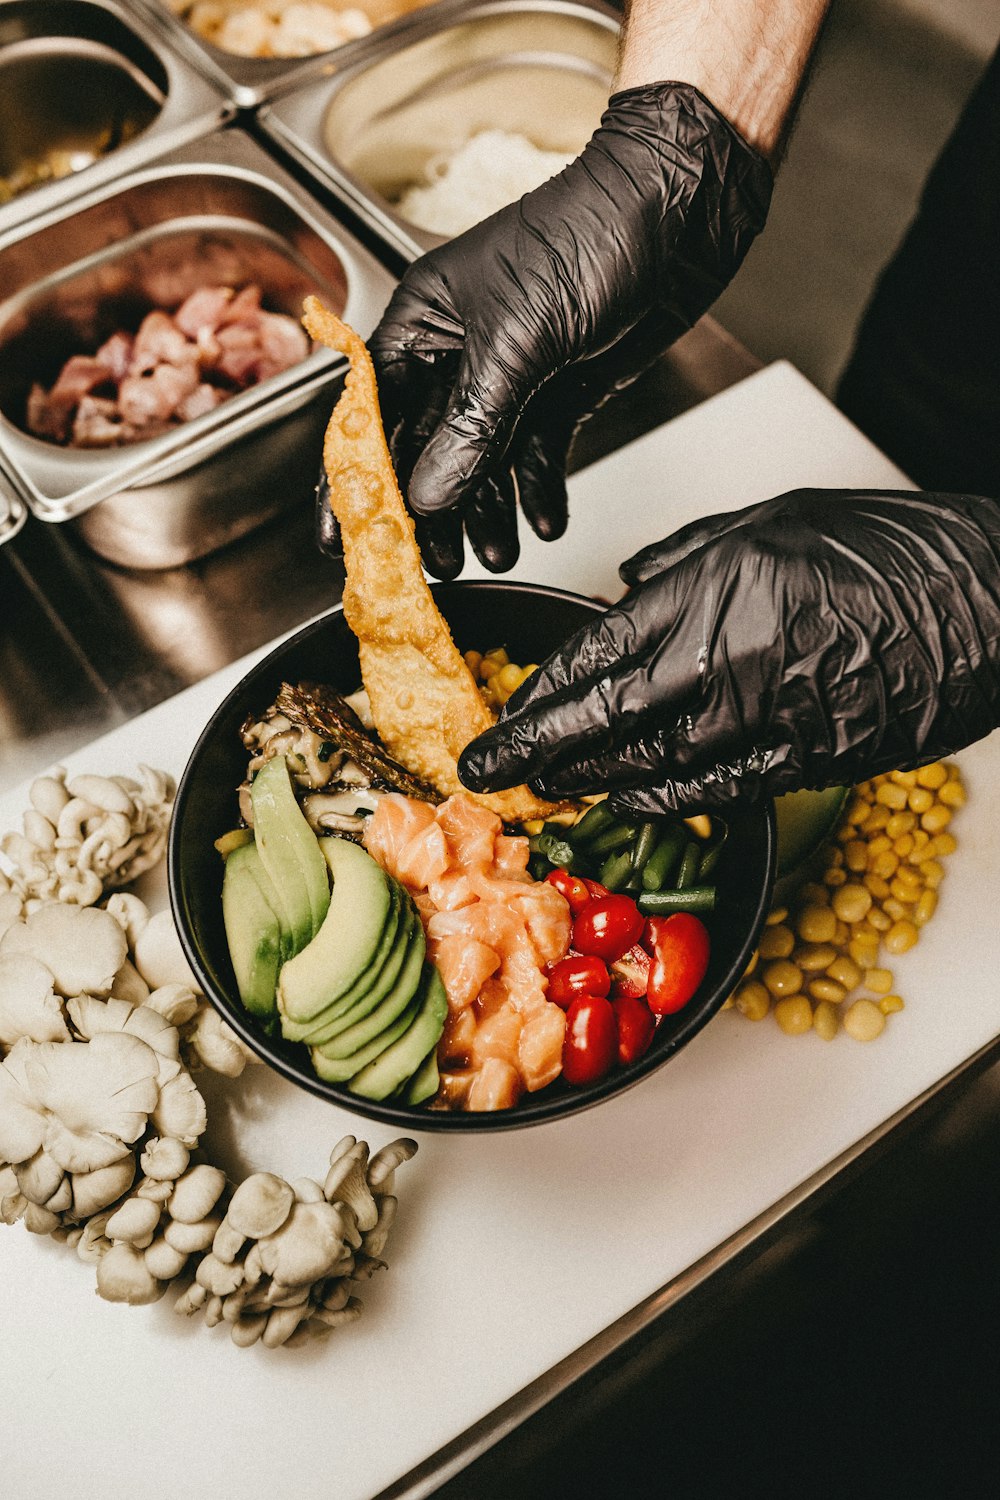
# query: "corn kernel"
891,795
858,811
473,660
903,778
885,865
877,819
827,989
925,908
855,855
497,654
864,1021
845,972
878,887
816,924
952,794
815,958
753,1001
937,820
794,1015
879,919
880,844
920,799
863,953
835,858
879,981
901,890
754,960
782,977
942,843
841,933
852,903
901,937
844,833
729,1002
777,942
834,877
533,826
903,846
932,872
528,671
776,916
815,894
896,909
900,823
889,1004
509,677
826,1021
489,668
932,776
700,825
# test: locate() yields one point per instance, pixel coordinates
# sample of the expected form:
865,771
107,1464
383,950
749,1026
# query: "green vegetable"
594,821
690,861
612,839
615,870
660,865
696,898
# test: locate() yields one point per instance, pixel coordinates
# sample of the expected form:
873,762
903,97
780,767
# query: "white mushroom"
333,1319
192,1238
12,1200
28,1006
281,1324
97,1017
130,913
180,1110
215,1044
218,1277
306,1190
164,1158
176,1003
156,1192
39,1220
123,1276
129,985
102,793
39,1178
260,1206
94,1243
10,908
384,1163
346,1182
305,1246
373,1243
94,1096
48,795
159,956
196,1194
247,1331
82,947
163,1261
134,1221
93,1191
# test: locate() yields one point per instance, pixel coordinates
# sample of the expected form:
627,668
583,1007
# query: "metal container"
248,81
540,68
216,212
89,88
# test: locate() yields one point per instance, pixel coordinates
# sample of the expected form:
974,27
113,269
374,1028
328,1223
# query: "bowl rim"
538,1109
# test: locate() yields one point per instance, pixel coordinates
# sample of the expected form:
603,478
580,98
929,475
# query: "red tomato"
635,1027
572,887
594,887
580,974
679,963
608,926
591,1042
651,932
630,973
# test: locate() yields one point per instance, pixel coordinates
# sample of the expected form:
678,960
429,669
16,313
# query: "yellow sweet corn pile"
821,963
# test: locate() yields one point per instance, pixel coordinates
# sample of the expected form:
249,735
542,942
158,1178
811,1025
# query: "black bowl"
530,621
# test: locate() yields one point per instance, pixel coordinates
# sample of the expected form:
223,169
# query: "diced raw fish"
98,424
203,398
497,1085
244,308
156,397
283,343
464,965
115,354
160,341
539,1053
239,353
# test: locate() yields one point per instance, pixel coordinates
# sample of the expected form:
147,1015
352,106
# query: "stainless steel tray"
248,81
76,71
218,210
542,68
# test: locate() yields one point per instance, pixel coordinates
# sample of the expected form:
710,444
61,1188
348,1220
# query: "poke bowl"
530,622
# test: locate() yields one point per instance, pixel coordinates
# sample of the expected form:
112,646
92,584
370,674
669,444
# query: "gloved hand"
814,640
494,346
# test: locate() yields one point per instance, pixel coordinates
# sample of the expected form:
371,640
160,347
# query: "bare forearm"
747,56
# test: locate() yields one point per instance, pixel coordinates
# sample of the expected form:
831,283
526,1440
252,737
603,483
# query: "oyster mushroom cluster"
101,1120
285,1256
84,836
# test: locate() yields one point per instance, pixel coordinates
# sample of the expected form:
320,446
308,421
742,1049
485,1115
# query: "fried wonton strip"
424,700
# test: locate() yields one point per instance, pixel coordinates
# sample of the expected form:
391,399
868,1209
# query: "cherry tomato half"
630,973
608,926
591,1042
679,963
580,974
636,1026
572,887
594,887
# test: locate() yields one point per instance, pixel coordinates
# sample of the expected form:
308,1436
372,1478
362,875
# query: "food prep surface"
567,1227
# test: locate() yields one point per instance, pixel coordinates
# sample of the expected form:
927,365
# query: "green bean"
556,850
709,860
615,869
613,839
594,821
646,841
688,872
660,864
693,898
538,867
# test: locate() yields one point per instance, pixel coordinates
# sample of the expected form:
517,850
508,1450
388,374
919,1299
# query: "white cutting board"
510,1251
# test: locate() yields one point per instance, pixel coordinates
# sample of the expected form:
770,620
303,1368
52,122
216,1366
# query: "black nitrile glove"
814,640
495,346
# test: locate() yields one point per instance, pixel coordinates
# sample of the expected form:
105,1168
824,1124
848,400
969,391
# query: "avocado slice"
253,931
345,947
400,1061
369,1024
392,939
340,1069
290,851
361,1002
426,1080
